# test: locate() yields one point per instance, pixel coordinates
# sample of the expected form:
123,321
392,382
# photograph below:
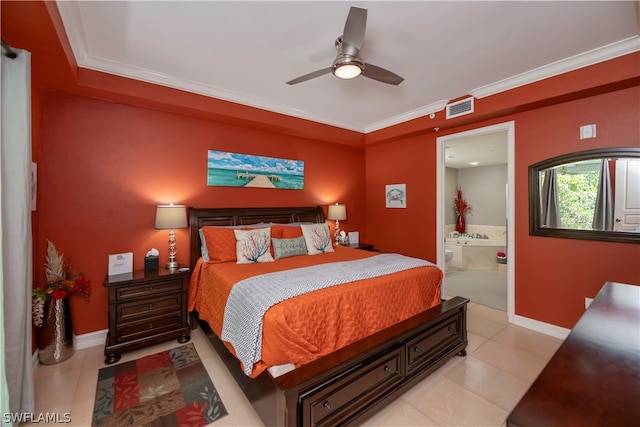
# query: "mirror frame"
534,197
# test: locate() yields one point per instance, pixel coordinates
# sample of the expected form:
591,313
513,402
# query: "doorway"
443,198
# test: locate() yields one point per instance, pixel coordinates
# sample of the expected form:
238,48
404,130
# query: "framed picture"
396,195
354,237
120,264
244,170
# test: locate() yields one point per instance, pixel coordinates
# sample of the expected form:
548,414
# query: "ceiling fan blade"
355,26
380,74
309,76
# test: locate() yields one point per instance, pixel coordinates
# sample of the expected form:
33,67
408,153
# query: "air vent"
460,108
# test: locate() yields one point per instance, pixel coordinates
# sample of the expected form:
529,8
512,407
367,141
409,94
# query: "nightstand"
363,246
144,309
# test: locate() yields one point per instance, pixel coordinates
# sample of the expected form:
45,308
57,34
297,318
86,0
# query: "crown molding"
70,14
594,56
404,117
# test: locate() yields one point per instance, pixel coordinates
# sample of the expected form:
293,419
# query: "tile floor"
478,390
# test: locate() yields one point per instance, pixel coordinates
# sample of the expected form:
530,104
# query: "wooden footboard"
350,384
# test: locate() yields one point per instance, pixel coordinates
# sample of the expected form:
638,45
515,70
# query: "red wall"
552,276
104,167
409,230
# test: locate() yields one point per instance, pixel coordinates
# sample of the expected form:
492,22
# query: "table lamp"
170,217
337,213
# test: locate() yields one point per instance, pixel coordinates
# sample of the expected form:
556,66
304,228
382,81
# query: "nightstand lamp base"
172,265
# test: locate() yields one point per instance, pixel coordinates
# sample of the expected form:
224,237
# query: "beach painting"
243,170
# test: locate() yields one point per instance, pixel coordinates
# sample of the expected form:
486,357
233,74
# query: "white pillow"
317,238
253,245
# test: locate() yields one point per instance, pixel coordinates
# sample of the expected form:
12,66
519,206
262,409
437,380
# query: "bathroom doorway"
481,162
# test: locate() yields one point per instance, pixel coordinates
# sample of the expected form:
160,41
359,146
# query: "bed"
341,385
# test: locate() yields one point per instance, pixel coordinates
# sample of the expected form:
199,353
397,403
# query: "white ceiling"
488,149
245,51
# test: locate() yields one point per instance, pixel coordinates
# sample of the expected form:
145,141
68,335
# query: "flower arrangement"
460,207
61,282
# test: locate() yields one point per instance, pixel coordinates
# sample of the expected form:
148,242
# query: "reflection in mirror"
592,195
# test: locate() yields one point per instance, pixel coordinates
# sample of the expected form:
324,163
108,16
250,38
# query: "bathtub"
474,254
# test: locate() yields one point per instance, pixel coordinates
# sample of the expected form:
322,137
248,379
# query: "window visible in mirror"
576,185
592,194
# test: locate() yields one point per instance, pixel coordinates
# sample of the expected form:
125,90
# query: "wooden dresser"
144,309
594,377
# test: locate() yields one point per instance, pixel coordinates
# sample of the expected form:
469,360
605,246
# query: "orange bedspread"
309,326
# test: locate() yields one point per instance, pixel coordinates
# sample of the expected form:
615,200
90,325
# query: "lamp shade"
337,212
169,217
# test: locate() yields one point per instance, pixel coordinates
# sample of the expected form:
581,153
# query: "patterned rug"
170,388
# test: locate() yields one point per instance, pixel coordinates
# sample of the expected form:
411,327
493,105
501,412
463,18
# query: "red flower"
59,294
82,286
460,207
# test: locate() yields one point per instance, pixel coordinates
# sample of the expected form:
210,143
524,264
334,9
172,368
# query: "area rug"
170,388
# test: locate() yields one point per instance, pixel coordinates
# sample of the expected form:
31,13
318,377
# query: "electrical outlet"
587,302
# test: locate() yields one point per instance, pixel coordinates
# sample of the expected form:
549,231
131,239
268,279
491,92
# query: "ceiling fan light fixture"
347,71
347,67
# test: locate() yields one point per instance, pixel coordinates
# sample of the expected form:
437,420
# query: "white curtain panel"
16,279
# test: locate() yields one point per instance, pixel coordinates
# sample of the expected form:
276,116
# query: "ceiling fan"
348,63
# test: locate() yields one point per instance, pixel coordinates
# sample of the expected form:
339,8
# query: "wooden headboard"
199,217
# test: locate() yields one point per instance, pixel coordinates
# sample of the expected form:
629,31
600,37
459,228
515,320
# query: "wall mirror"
589,195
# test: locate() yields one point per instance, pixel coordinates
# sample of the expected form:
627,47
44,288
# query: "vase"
55,336
461,225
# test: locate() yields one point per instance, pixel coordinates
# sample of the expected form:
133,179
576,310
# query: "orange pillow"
285,231
221,244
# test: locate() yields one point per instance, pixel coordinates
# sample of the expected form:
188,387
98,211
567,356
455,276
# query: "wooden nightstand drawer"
148,289
148,327
147,308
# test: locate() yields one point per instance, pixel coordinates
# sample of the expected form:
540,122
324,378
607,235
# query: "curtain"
16,279
603,214
550,209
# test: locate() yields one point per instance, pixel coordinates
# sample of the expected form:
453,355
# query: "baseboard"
89,340
79,342
538,326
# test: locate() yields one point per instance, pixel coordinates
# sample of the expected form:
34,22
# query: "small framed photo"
396,195
354,237
120,263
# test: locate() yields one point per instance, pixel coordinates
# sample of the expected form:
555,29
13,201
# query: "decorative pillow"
286,231
253,245
220,243
284,248
317,238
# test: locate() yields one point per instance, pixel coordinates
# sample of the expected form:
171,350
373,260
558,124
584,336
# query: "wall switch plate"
587,131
